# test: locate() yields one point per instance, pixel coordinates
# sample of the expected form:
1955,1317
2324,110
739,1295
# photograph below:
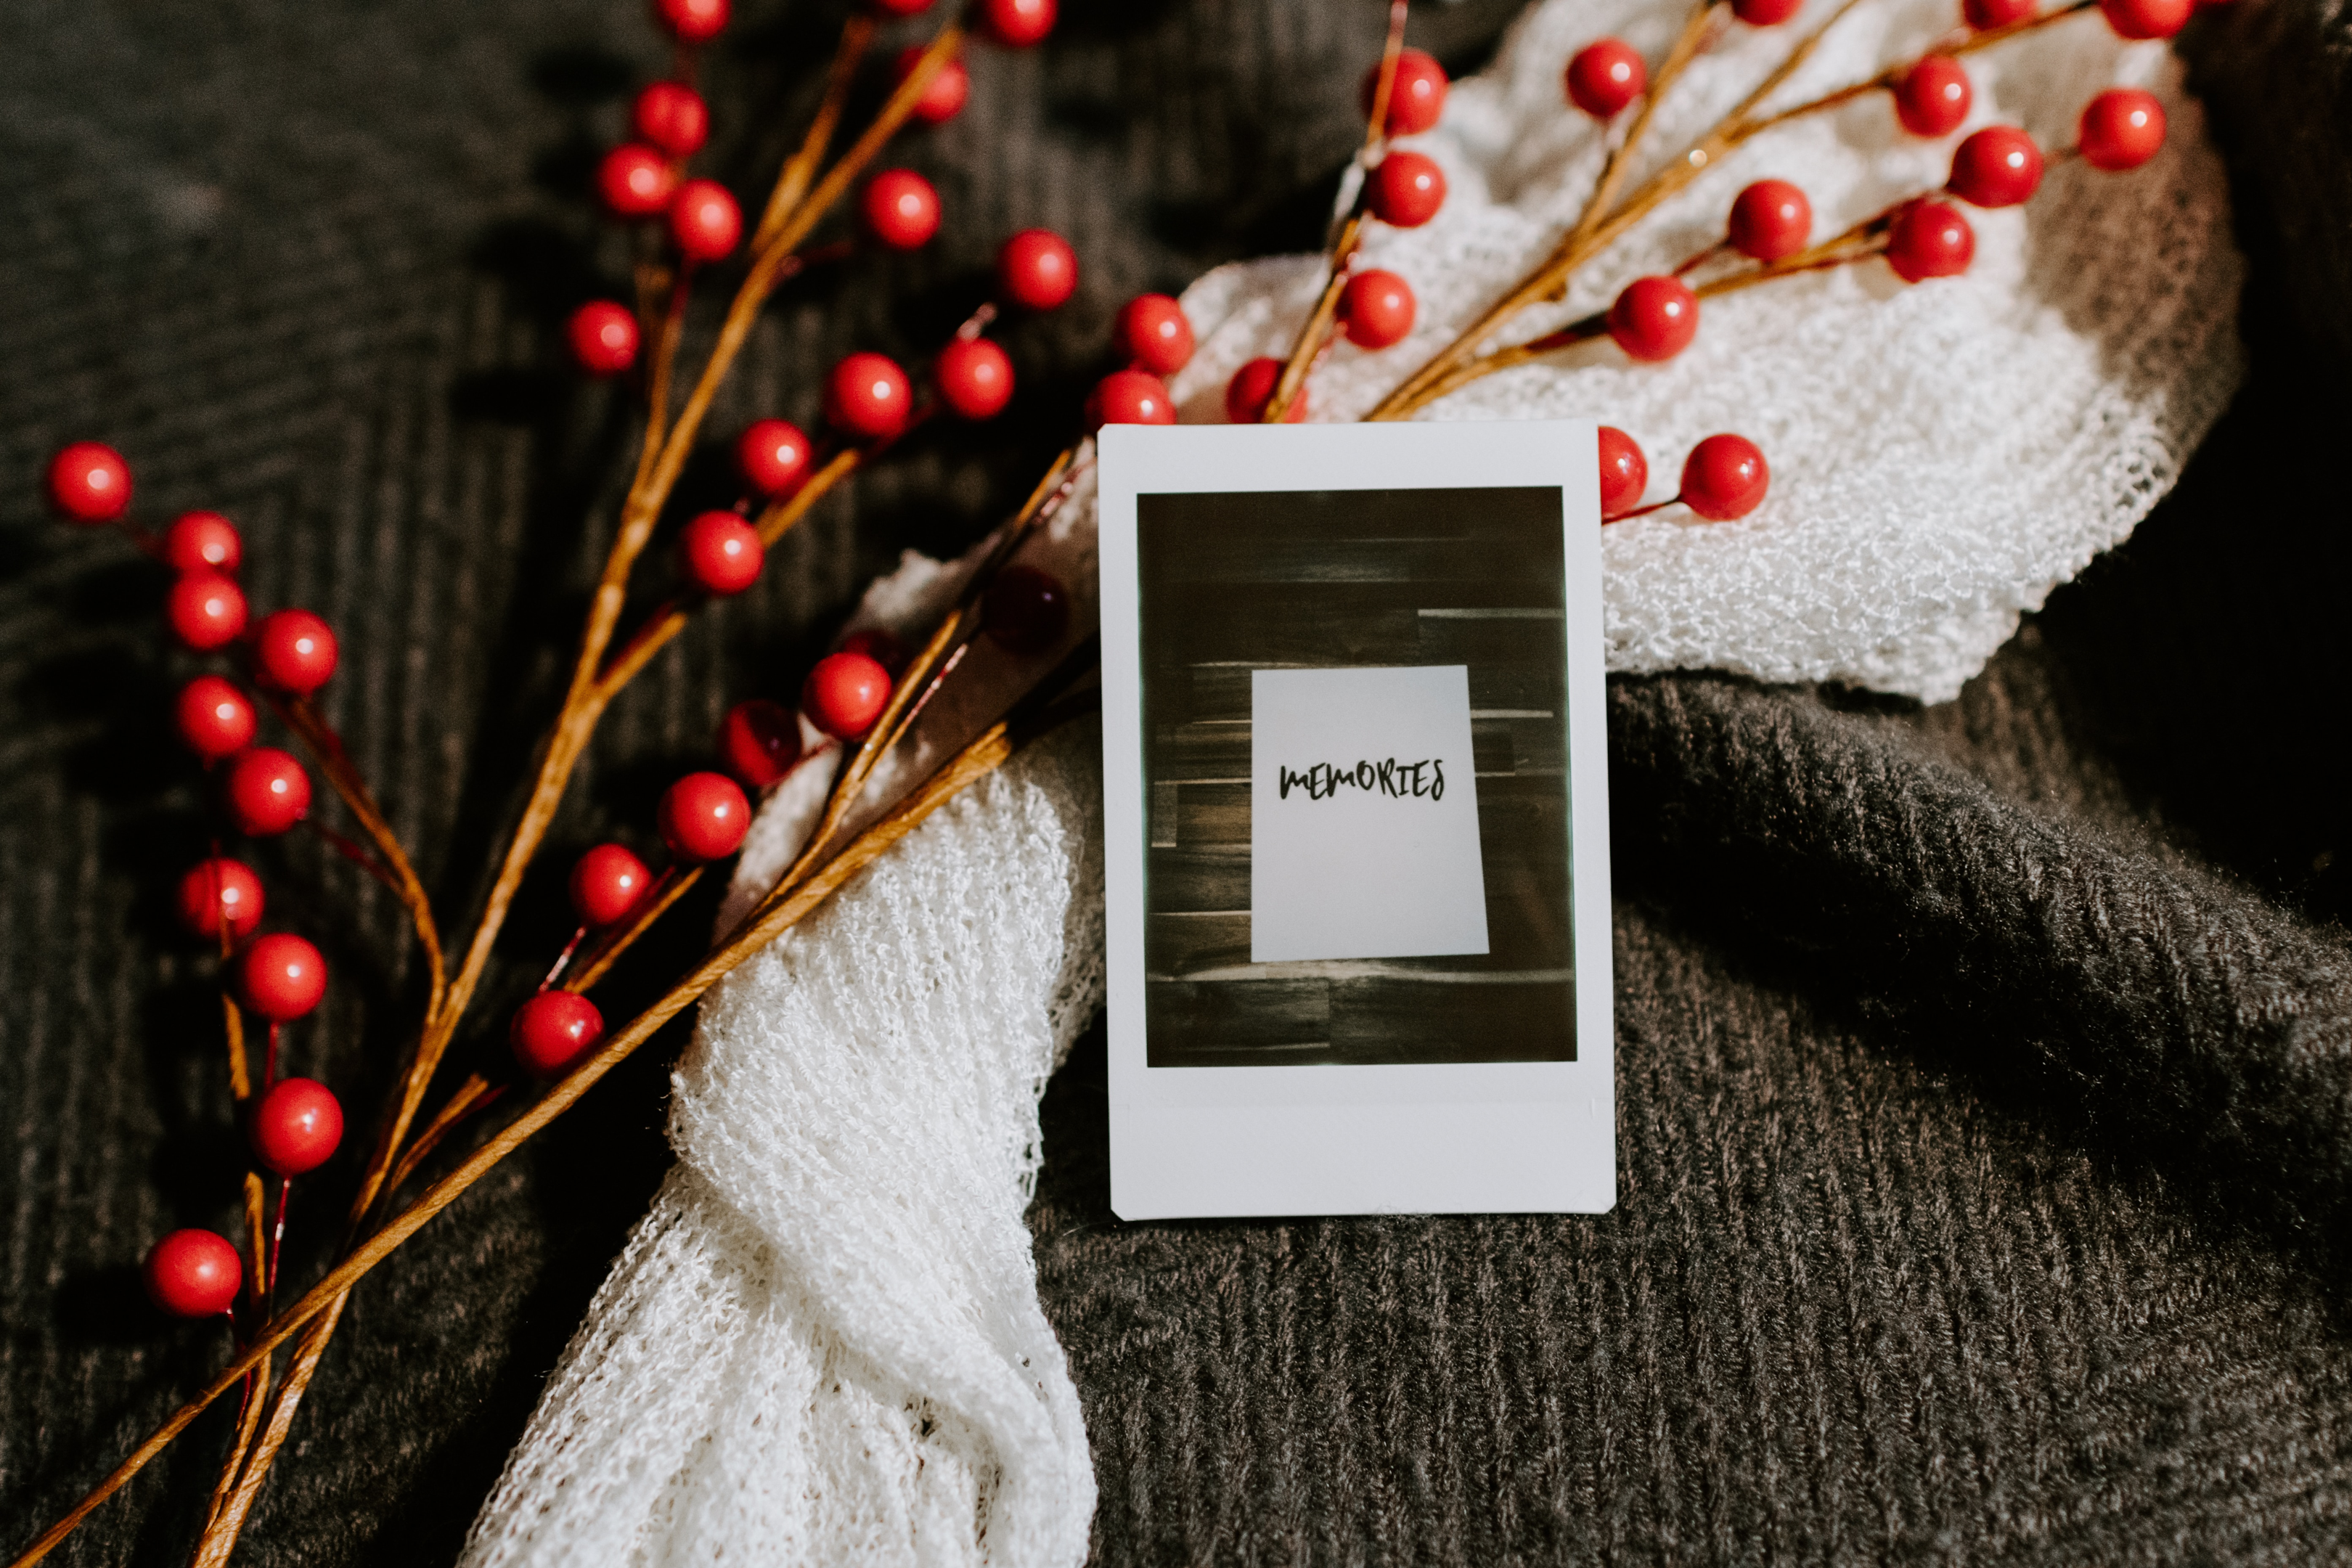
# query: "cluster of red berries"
1724,477
294,1124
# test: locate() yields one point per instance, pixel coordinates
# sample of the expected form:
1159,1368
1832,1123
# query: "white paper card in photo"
1363,814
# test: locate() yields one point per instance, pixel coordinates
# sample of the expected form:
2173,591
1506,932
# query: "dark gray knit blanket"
1986,1153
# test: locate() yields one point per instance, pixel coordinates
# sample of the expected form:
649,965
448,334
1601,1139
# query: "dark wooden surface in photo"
1333,579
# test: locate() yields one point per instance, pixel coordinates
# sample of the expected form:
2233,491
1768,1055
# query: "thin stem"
1697,30
475,1094
856,33
555,970
670,887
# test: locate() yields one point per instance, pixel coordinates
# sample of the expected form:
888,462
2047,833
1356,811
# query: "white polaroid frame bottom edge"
1476,1138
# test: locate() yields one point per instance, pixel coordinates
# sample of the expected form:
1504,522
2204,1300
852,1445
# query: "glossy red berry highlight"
1933,97
844,694
1984,16
90,482
2146,18
944,95
1625,472
220,890
758,742
635,181
1253,385
603,337
1016,24
1605,76
1376,309
281,977
703,816
1998,166
672,116
1129,397
1417,96
213,717
265,791
1026,611
1725,477
193,1274
553,1030
773,455
1765,13
203,541
295,1126
1405,190
1037,270
900,209
704,221
975,378
293,650
1930,239
693,21
204,610
606,883
1153,333
721,554
1771,220
2122,129
868,397
1654,319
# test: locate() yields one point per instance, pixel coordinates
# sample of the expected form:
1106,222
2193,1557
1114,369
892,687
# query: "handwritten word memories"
1424,780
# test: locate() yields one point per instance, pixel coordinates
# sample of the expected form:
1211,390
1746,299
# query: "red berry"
204,610
974,377
281,977
944,95
900,209
758,740
845,693
1406,189
1416,98
1998,166
1625,472
1605,76
193,1274
694,21
1016,24
878,646
1771,220
213,717
295,1127
902,8
774,455
868,397
1026,610
1037,270
673,117
2122,129
703,816
721,554
1253,385
1153,333
293,651
1765,13
704,221
606,884
265,791
2146,18
220,890
554,1029
203,541
1933,97
635,181
90,482
1930,239
603,336
1654,319
1725,477
1129,397
1376,309
1984,16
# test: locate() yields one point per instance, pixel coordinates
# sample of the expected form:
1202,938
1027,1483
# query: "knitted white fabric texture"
1942,455
824,1345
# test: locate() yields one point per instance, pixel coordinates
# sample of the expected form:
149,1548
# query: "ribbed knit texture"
1980,1099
